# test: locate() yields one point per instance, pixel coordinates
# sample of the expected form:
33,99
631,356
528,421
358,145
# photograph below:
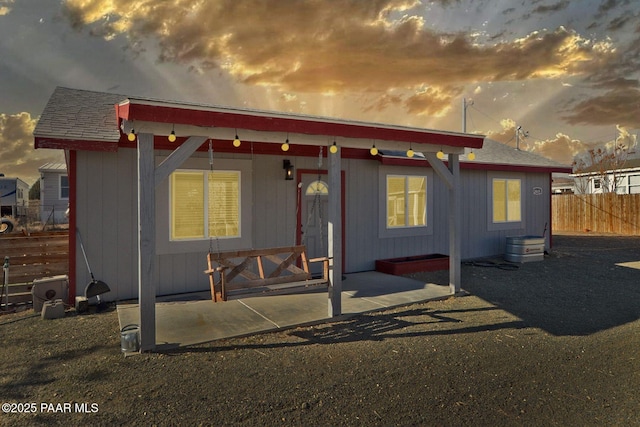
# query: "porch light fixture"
285,146
288,170
440,154
236,141
334,148
132,135
373,150
410,152
172,135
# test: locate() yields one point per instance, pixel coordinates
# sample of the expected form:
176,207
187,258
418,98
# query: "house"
14,197
154,185
624,180
54,192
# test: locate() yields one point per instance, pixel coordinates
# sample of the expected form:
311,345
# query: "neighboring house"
390,205
54,192
563,183
14,197
625,180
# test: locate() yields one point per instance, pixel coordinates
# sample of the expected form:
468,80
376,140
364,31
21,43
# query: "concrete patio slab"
194,319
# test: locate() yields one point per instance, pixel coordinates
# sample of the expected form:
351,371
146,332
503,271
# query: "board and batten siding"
107,217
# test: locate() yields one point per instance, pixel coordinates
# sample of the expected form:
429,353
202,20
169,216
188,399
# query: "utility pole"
524,134
465,104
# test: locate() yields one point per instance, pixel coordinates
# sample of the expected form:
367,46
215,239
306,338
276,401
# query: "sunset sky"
568,72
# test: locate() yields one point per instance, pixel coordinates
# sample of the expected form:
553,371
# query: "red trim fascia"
266,123
75,144
512,168
299,173
550,211
73,203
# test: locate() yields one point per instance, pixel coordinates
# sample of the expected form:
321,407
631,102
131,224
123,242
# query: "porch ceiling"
160,118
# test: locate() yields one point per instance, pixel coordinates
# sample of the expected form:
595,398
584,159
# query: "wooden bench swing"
261,271
243,273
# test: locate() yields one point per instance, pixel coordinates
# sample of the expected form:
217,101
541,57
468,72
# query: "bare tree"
603,165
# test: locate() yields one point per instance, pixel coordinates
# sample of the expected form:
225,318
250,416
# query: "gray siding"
107,219
51,205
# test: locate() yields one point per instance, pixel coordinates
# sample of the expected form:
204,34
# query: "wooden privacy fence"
35,256
601,213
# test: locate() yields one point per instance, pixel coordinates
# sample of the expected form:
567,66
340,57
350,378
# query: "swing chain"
211,170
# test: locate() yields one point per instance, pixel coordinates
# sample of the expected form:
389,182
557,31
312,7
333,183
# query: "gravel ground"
551,343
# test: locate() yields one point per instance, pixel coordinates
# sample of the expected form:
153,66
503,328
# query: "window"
192,191
507,200
406,201
64,187
634,184
317,188
596,183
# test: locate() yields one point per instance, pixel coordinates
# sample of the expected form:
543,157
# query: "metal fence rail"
33,256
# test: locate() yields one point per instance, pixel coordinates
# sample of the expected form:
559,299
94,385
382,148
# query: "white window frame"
164,243
60,197
505,225
205,178
384,231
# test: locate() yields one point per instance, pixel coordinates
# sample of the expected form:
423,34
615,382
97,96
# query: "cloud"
562,148
5,7
18,158
378,46
618,106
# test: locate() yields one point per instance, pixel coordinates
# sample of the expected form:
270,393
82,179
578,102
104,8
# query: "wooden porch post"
455,215
146,242
335,233
149,177
451,177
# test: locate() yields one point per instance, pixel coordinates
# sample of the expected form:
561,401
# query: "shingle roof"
80,115
494,152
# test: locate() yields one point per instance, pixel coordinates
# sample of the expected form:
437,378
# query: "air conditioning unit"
49,289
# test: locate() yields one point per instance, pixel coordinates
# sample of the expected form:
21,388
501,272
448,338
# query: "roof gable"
78,115
496,153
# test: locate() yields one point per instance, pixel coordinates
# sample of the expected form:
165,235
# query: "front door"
312,218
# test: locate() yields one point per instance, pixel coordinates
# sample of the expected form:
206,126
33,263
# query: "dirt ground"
550,343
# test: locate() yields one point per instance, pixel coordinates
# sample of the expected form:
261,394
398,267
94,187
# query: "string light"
471,156
334,148
410,152
285,146
373,150
440,154
236,141
132,135
172,135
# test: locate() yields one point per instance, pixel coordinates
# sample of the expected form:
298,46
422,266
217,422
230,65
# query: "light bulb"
236,142
334,148
285,146
172,136
471,156
410,152
132,136
440,155
373,151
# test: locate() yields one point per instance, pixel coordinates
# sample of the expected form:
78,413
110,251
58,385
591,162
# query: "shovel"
95,288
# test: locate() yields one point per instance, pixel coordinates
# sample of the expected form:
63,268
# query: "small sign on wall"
537,191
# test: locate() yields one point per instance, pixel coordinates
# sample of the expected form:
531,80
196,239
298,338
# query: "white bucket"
130,339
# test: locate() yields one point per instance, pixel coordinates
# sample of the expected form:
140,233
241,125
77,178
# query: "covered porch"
189,127
191,319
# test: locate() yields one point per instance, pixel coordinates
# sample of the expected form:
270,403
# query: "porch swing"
255,272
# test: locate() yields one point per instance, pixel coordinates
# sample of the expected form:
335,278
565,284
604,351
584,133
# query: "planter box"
413,264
